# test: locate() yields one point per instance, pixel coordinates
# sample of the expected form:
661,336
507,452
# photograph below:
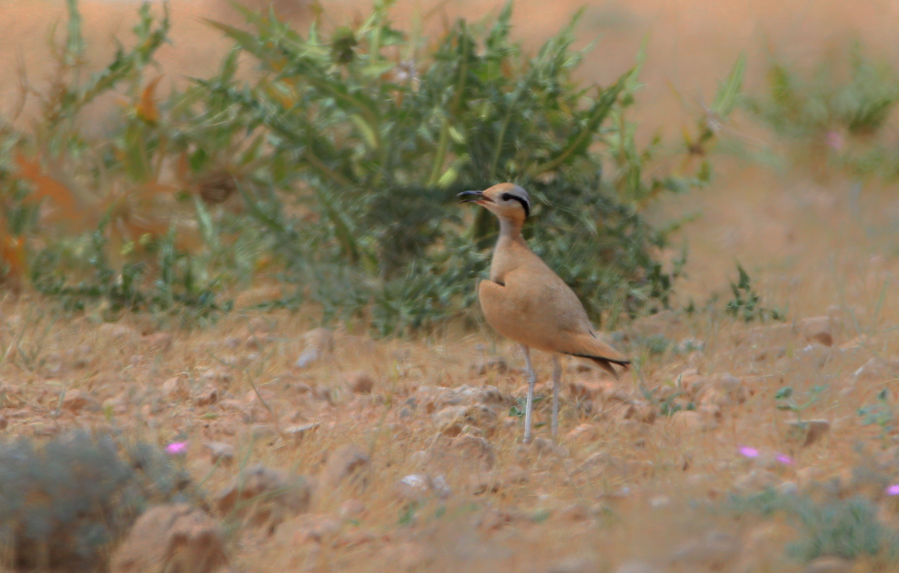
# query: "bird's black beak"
473,197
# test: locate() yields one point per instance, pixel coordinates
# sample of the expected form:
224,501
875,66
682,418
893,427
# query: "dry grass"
806,244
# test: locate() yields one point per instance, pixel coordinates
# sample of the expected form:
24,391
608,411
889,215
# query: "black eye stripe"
524,203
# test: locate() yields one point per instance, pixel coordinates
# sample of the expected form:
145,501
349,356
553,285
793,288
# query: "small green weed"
786,400
746,304
62,504
880,413
847,528
836,115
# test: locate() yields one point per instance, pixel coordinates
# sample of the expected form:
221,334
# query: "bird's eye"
506,197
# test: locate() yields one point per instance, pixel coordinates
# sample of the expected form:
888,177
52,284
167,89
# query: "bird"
527,302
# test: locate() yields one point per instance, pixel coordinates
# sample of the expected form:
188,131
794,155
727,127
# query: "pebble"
220,451
828,565
360,382
817,329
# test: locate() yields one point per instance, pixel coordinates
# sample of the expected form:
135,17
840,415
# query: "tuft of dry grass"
629,482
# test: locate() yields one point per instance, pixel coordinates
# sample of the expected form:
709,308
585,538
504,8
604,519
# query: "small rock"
875,369
658,501
260,324
264,496
301,431
81,356
689,421
754,481
349,462
585,387
545,447
602,465
450,420
583,432
495,364
307,358
413,487
829,565
788,488
809,431
807,476
636,567
417,487
769,353
319,342
714,551
117,332
494,519
439,485
360,382
263,431
354,538
320,338
817,329
175,388
351,508
515,475
475,448
220,451
211,375
814,355
574,513
728,385
574,565
766,335
408,556
160,342
207,396
173,538
308,529
78,400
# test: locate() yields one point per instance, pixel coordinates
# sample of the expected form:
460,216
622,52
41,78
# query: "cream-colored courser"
526,301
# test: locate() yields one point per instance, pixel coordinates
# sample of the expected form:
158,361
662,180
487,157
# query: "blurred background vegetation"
326,159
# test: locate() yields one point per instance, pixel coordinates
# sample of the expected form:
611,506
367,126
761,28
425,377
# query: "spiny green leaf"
727,96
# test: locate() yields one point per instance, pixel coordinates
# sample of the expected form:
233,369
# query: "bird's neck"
511,250
510,231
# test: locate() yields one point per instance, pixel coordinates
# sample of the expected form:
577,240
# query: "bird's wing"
536,308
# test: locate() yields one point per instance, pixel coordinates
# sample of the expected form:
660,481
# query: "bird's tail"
600,353
606,363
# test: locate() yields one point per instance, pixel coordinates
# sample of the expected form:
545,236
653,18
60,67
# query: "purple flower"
785,459
834,140
893,489
177,448
749,452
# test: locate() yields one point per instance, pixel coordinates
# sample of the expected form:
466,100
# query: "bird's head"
506,201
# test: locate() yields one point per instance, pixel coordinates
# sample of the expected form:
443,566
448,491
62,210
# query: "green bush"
835,114
381,131
347,150
826,525
63,503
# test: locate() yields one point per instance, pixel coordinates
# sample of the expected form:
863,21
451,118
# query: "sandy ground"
627,481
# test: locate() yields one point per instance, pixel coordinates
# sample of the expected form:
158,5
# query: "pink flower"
785,459
749,452
177,448
834,140
893,489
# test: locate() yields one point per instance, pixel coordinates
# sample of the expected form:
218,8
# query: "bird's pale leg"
532,381
557,381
